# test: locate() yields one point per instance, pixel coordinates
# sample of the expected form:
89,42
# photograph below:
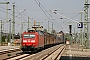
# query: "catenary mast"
86,31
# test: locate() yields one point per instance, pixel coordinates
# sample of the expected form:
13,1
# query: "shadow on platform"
74,58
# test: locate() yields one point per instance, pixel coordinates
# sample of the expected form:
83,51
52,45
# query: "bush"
3,38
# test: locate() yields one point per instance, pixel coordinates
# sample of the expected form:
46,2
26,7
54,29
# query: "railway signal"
70,29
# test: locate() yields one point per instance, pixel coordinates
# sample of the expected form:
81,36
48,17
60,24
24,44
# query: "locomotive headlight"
24,40
32,40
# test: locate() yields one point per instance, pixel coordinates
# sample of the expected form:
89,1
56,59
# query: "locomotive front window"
29,36
32,36
26,36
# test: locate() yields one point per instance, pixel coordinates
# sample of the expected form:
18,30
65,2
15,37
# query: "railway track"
9,51
55,55
17,57
43,55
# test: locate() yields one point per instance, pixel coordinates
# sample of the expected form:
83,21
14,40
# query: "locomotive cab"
32,40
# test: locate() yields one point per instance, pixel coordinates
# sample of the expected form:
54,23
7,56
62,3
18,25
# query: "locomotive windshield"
29,36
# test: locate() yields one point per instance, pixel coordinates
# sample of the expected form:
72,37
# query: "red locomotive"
35,39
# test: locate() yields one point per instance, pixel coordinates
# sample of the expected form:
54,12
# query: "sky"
42,11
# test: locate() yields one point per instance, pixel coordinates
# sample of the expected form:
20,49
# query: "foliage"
66,36
45,30
3,38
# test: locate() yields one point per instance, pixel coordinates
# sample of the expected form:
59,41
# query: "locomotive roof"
38,31
35,31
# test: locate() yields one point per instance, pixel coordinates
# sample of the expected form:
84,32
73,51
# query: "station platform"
8,47
75,52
